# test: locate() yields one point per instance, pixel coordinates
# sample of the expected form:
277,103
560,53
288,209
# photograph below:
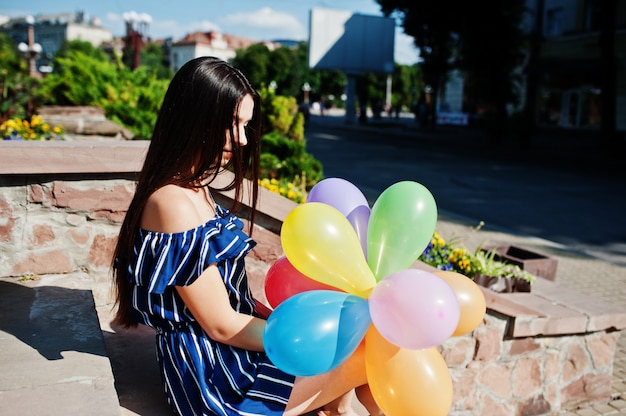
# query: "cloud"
264,24
405,53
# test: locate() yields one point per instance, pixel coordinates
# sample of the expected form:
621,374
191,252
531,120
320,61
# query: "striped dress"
201,376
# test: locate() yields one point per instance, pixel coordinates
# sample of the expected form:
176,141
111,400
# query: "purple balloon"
414,309
338,193
359,218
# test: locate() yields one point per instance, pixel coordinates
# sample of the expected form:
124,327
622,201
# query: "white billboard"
353,43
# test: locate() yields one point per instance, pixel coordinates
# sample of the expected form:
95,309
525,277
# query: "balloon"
338,193
471,301
348,199
407,382
313,332
321,244
283,281
359,218
414,309
401,225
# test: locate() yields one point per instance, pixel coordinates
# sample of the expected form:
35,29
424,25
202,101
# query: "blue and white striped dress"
202,376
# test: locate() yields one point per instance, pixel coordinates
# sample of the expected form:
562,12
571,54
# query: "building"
575,55
211,43
52,30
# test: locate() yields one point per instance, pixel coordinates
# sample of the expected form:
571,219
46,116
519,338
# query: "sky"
258,20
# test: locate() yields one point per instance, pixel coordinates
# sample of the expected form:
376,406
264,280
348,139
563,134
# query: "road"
563,200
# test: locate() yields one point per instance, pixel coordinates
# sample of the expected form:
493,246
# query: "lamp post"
31,50
306,88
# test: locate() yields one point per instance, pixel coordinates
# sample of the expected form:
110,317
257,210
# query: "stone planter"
534,263
497,284
502,284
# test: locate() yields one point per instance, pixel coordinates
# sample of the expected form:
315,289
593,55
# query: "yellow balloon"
471,300
407,382
321,243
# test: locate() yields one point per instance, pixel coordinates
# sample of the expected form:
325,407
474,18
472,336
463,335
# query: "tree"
153,58
254,62
482,39
406,86
15,83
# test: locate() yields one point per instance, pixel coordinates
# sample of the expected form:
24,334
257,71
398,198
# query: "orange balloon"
471,300
407,382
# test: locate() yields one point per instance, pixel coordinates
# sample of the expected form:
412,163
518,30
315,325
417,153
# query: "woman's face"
240,121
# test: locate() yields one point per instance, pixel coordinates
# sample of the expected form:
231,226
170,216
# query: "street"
566,202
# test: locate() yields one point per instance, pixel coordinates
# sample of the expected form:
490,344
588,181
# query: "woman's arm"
208,301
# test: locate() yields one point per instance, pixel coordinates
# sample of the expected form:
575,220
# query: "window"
554,22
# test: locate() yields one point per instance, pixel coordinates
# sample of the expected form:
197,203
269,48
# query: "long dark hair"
201,104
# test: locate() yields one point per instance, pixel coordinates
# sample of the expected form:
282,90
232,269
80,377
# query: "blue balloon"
313,332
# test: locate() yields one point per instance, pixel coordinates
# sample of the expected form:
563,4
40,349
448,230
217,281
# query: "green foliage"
280,114
283,146
451,255
288,68
254,62
15,84
487,263
288,159
131,98
84,47
153,59
406,86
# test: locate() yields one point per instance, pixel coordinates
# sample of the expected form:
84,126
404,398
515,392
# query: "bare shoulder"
171,209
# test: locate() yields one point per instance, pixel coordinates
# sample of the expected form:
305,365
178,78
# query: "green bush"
130,98
283,146
16,99
283,158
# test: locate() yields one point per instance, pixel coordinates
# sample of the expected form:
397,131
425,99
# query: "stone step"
53,359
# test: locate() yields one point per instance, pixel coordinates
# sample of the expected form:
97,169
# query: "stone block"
534,263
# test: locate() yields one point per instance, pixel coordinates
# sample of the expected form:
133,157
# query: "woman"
179,261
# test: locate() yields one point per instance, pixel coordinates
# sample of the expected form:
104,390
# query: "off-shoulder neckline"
220,214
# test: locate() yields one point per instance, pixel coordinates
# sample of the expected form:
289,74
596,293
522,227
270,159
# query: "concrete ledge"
36,157
551,309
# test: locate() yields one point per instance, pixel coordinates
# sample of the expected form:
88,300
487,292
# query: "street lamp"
306,88
31,50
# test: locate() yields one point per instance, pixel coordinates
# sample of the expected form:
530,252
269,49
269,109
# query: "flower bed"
34,129
485,266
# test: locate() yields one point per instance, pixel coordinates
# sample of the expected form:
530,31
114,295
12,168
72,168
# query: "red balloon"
283,281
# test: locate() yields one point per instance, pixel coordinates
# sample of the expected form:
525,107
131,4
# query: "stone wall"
529,357
494,374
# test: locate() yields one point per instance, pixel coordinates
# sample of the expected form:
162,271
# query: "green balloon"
401,225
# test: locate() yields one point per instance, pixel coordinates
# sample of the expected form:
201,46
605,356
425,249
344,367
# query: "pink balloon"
414,309
338,193
283,281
